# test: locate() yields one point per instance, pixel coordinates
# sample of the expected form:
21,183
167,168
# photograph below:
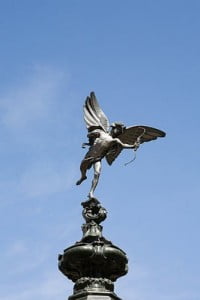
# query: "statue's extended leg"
83,169
97,172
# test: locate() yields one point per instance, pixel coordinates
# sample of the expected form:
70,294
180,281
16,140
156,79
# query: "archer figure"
107,143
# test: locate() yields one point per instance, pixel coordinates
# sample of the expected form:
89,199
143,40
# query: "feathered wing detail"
93,114
131,135
146,134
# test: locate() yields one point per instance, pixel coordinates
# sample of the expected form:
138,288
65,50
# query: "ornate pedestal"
94,263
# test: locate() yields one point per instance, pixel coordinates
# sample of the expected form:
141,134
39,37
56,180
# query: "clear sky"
142,59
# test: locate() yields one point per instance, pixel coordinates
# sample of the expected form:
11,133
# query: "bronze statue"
106,142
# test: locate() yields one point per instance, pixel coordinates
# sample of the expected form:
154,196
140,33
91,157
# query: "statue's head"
117,129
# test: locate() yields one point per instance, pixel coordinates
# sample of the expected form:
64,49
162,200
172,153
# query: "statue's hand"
136,146
85,144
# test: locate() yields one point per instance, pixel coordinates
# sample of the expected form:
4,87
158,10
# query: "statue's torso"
101,145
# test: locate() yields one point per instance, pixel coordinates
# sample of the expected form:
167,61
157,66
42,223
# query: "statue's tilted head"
117,129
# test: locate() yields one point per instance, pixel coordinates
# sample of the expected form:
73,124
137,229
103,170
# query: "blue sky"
142,60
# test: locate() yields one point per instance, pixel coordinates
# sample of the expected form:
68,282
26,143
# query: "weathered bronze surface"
95,263
108,141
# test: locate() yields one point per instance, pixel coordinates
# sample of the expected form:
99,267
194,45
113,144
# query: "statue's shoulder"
105,135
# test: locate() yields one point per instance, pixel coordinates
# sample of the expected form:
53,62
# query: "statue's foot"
81,180
90,195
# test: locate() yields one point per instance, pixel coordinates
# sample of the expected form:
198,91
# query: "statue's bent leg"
97,172
83,168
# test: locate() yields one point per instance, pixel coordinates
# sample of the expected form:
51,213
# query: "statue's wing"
144,133
93,114
134,134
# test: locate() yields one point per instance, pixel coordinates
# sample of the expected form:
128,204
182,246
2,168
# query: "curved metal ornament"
93,263
93,211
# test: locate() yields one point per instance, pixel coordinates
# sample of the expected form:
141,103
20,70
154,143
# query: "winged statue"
107,141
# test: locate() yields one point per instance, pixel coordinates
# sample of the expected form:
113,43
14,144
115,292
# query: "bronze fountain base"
93,263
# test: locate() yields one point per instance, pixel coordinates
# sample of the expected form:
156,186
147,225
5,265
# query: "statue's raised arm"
108,141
